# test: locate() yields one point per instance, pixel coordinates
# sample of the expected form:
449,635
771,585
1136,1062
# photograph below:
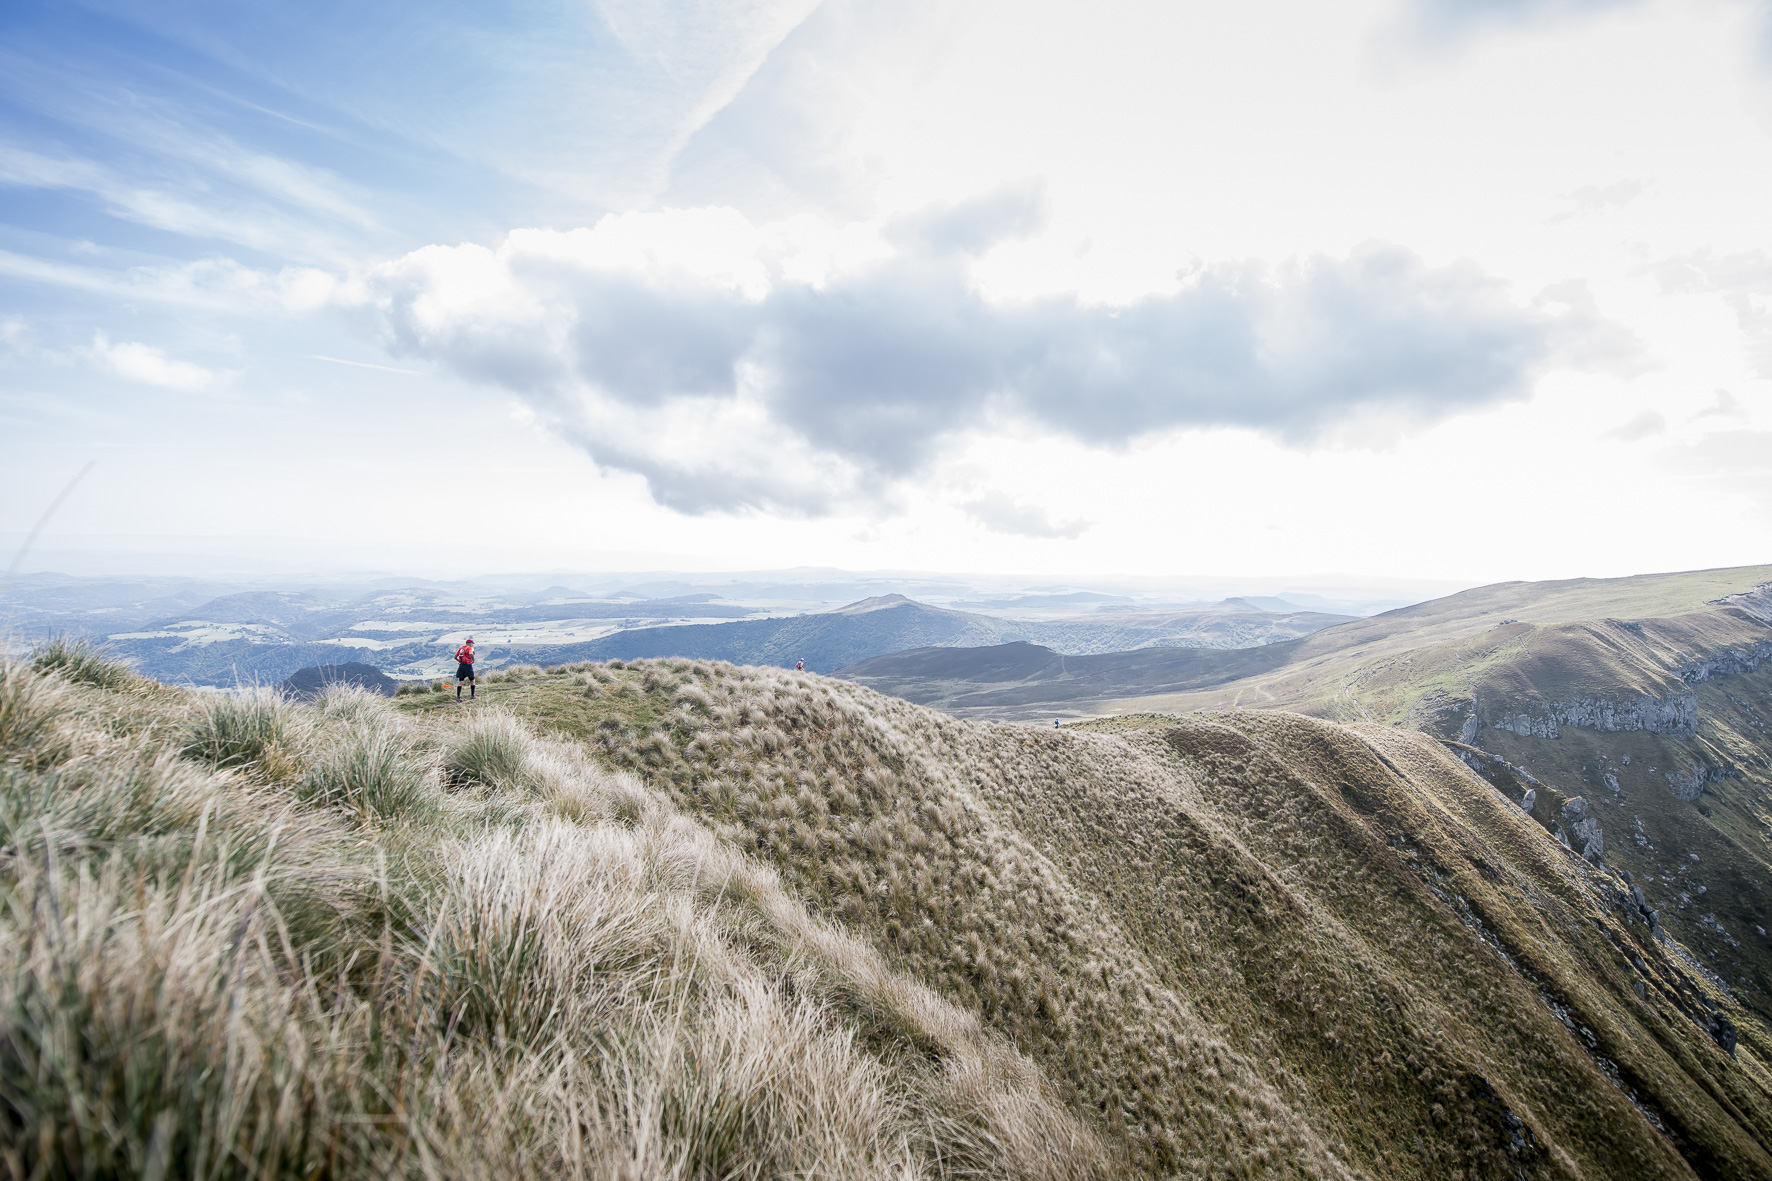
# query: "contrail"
367,365
31,538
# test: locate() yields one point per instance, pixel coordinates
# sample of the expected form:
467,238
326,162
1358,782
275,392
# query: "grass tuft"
490,751
82,661
246,728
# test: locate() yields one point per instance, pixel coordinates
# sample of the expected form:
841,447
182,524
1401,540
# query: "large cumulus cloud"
711,358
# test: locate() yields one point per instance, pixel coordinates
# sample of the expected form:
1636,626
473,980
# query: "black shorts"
464,672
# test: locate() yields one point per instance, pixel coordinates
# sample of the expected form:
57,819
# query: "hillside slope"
830,640
1629,714
244,939
1311,672
1262,944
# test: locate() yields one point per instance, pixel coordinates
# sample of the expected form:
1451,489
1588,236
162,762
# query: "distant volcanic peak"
877,603
311,682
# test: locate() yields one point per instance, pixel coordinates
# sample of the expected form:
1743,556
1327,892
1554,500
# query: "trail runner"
464,669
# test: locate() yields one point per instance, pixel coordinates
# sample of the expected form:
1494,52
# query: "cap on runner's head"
470,639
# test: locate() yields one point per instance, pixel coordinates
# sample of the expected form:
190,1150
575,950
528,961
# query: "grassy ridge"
681,919
1704,863
244,939
1276,946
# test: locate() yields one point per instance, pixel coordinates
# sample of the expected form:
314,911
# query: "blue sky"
1431,289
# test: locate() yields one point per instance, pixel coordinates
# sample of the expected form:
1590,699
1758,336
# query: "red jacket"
464,655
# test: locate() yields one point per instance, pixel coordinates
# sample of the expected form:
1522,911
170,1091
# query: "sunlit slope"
1658,723
1262,943
1354,670
1409,675
1647,698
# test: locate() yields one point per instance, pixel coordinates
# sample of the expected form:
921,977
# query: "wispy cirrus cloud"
213,284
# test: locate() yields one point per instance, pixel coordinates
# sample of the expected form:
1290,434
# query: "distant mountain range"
407,630
830,640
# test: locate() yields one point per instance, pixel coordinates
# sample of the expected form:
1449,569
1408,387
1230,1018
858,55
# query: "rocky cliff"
1675,715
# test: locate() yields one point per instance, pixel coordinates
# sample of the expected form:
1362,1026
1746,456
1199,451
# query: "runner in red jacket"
464,669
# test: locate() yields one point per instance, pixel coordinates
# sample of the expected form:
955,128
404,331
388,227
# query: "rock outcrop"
1583,830
1676,716
1732,663
1756,602
1688,783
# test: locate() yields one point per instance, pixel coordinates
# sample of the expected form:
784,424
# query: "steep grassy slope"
1645,698
1657,723
1256,945
241,939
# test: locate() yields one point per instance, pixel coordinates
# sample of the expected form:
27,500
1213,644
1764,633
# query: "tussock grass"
1268,947
491,750
343,970
83,661
252,728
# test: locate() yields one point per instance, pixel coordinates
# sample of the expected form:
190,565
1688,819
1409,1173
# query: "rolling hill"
265,637
1259,943
173,631
676,918
1629,715
829,640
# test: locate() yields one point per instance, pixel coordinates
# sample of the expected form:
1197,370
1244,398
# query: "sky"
1440,290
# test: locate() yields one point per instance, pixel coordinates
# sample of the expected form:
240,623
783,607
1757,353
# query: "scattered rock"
1611,781
1529,800
1585,830
1625,760
1687,785
1722,1031
1472,727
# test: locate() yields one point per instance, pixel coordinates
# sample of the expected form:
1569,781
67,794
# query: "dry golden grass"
1275,947
243,939
677,919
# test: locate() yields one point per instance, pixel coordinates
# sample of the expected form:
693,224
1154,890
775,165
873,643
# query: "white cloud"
1643,426
1003,514
148,365
675,345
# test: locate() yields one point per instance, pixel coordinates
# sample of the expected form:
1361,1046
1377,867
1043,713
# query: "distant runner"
799,666
464,669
